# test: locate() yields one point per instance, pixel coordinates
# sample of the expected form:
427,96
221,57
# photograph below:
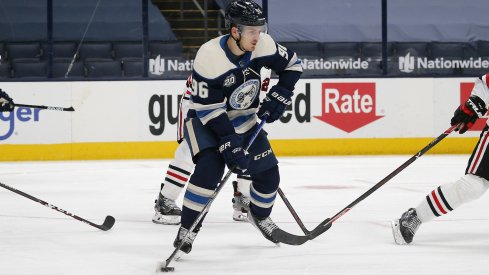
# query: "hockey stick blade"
288,238
108,223
291,239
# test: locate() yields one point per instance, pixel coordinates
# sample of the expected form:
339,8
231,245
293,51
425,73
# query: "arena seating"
103,67
114,35
132,67
330,30
4,71
96,50
60,69
25,50
29,68
124,50
165,48
61,50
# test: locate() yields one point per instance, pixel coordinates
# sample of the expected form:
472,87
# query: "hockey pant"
471,186
178,172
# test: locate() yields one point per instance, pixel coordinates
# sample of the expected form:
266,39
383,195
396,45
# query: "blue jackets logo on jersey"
244,95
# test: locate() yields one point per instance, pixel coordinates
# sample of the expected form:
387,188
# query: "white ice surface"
37,240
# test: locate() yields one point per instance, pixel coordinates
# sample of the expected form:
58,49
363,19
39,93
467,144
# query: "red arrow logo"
348,106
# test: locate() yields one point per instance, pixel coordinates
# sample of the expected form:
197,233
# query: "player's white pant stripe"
194,146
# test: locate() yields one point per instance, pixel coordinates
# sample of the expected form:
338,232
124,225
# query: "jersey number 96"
200,89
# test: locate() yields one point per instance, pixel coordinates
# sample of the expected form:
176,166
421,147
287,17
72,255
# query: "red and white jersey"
481,89
183,108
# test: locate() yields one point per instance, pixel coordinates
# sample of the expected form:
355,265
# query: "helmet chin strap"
237,42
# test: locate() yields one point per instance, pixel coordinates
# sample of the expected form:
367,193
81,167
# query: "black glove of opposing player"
6,103
468,113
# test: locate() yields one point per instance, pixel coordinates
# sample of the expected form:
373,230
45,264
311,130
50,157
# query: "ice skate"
187,243
166,211
266,227
404,228
240,213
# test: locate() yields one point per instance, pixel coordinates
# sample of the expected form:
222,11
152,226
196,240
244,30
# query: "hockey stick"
108,222
163,266
326,224
292,211
288,238
70,109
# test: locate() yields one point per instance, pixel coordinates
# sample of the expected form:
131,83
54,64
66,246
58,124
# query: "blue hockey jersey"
224,83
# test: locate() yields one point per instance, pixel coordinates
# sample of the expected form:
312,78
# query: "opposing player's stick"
328,222
293,212
108,223
69,109
163,266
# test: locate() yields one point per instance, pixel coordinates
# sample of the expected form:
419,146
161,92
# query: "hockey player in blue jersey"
181,167
224,111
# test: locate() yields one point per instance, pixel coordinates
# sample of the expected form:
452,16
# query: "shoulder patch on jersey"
243,96
230,80
265,46
211,60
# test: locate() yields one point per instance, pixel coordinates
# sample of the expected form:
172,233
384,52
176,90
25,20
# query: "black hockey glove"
468,113
231,148
6,103
274,103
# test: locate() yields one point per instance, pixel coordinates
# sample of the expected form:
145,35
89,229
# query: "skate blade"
168,220
240,218
396,233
